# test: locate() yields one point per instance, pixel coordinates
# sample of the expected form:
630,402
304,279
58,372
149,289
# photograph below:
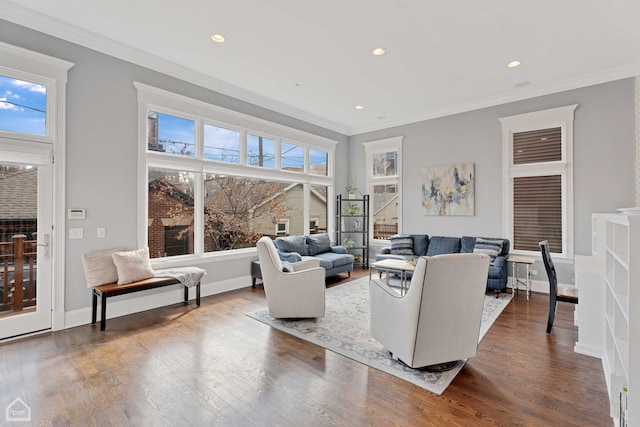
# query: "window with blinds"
538,180
537,200
537,212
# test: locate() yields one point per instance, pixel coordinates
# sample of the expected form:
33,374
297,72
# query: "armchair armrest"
386,250
305,265
338,249
289,256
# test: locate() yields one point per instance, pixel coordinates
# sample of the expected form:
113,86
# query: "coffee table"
399,266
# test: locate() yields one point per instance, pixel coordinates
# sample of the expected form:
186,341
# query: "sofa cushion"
318,243
420,244
466,244
401,244
335,259
296,244
325,263
443,245
491,247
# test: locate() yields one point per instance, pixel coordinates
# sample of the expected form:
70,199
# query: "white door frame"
14,60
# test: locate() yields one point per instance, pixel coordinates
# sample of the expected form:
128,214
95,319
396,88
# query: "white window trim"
555,117
39,68
286,227
383,146
152,98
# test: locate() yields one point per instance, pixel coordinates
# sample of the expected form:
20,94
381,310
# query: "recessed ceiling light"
379,51
359,107
513,64
218,38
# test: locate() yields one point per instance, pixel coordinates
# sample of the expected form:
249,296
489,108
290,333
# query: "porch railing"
17,273
384,231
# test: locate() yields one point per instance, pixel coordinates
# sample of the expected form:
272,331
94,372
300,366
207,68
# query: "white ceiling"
313,61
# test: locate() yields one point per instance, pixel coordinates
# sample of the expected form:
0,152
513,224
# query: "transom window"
216,180
23,106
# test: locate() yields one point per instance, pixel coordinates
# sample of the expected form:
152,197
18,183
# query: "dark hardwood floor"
213,365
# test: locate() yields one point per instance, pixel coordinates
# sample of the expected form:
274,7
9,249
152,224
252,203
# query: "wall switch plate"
101,232
76,233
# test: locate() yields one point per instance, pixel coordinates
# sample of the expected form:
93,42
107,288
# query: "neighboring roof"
19,195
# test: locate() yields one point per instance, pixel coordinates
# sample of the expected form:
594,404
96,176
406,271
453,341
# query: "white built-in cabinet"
621,356
589,274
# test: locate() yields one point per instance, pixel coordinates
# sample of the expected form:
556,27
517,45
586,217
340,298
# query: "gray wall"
102,143
604,153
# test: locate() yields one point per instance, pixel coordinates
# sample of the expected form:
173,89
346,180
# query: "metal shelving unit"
352,227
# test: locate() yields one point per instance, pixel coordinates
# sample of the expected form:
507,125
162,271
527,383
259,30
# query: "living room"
101,161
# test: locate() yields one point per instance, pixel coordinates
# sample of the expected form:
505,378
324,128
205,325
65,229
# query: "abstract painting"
448,190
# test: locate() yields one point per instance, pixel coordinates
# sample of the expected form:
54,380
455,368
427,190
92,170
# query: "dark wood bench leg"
186,295
198,294
94,306
103,312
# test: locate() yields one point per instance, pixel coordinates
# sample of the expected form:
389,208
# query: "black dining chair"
556,293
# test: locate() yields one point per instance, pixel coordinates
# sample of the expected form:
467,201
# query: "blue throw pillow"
296,244
318,244
439,245
491,247
401,244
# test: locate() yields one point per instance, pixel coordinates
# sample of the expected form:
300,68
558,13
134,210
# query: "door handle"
45,245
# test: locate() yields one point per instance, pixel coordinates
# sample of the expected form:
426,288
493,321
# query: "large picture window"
218,187
537,153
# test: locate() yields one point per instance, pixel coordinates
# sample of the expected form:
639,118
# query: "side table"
517,261
256,273
396,266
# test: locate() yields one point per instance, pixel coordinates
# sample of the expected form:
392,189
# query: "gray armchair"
438,319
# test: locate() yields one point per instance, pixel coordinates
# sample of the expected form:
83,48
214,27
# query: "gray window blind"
536,146
537,212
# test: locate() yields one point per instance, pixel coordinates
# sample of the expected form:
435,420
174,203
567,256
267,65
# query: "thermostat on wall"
76,214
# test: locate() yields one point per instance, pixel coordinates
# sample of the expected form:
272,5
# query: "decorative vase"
352,195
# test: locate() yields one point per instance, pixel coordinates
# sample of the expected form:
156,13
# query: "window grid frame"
154,99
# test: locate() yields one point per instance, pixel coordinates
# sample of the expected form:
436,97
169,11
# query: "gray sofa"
334,259
416,245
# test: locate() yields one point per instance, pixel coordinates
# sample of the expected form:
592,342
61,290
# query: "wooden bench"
113,289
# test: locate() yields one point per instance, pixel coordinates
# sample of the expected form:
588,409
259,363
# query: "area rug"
345,330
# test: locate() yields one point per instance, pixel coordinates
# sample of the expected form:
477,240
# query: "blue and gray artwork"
448,190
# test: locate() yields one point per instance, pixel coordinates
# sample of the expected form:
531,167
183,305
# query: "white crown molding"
26,17
53,27
560,86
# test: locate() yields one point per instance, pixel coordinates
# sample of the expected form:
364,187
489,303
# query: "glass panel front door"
25,244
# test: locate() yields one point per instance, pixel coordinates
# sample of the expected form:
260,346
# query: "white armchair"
296,294
438,319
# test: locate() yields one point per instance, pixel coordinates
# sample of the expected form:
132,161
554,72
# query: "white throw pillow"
132,265
99,268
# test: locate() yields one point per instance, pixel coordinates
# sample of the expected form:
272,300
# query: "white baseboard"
137,302
588,350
